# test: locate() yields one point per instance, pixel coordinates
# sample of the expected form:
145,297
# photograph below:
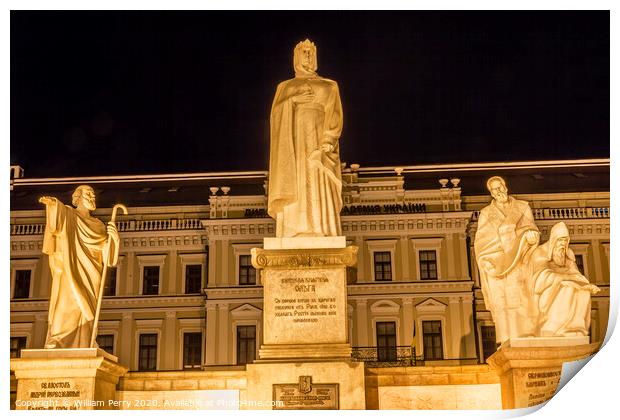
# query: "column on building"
362,323
407,321
361,260
39,330
598,262
454,312
125,340
170,341
172,273
222,334
213,261
404,250
131,280
468,349
211,334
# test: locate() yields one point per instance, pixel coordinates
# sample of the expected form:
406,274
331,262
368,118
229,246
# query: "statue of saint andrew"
304,164
77,245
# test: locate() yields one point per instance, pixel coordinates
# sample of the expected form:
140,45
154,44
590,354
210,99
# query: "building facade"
185,295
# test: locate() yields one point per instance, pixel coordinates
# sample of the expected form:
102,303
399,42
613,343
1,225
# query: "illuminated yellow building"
186,297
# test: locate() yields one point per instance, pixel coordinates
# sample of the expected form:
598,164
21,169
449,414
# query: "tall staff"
93,338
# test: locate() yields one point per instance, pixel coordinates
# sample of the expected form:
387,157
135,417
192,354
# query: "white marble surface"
546,342
305,242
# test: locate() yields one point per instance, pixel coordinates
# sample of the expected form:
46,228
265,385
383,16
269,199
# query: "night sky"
105,93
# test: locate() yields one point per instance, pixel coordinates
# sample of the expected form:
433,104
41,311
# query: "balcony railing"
401,356
564,213
123,226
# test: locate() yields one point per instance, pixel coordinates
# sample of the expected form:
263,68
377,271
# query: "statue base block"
530,368
324,385
66,379
305,302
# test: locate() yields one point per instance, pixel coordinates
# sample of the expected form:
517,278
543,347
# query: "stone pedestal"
530,368
305,300
309,385
66,379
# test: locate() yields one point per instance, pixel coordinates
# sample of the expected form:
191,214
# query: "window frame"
23,264
382,245
201,348
150,261
420,251
157,352
427,244
244,249
441,336
250,267
395,347
26,339
194,259
236,342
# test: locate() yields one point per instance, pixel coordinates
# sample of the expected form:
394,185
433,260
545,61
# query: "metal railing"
563,213
400,356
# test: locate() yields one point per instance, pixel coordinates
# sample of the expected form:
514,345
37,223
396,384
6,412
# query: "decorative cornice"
422,287
308,258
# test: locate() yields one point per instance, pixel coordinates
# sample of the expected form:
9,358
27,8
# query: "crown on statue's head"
306,43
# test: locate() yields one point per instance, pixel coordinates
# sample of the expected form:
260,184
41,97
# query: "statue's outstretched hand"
593,289
46,200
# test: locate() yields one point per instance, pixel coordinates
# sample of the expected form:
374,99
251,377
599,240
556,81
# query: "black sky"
103,93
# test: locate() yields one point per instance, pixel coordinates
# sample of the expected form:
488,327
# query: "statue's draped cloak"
560,293
77,246
500,239
305,182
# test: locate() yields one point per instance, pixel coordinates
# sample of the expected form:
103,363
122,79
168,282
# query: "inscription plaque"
305,395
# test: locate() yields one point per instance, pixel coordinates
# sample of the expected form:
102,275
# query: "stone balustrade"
564,213
123,226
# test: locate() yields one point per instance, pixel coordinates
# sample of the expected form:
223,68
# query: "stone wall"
432,388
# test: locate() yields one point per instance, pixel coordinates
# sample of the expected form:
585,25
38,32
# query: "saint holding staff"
80,247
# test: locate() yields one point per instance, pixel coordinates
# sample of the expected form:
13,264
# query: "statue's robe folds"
561,293
500,239
76,246
305,182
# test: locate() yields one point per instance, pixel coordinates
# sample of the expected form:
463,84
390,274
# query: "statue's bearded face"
307,59
559,251
88,199
499,192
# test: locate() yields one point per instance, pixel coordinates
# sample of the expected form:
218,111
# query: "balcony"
564,213
401,356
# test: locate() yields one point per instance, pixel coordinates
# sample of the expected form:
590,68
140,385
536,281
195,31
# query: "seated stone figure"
560,291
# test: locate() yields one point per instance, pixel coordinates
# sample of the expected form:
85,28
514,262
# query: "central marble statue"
304,164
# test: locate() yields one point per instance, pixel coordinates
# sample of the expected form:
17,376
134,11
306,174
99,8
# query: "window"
579,262
489,346
192,350
193,278
106,343
150,284
147,356
428,265
17,344
247,273
109,288
386,341
433,342
246,344
383,266
22,284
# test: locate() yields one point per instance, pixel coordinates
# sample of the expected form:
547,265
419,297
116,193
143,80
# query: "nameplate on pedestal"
305,395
